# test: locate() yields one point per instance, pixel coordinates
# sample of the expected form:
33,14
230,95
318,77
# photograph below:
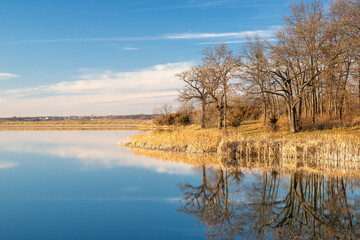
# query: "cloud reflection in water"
92,149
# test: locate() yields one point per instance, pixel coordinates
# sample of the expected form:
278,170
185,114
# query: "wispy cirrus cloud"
205,4
233,42
243,34
222,36
191,4
129,48
6,76
99,39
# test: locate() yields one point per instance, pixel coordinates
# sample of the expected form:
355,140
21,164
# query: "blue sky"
67,57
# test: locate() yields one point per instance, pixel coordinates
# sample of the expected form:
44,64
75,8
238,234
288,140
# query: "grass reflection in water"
279,202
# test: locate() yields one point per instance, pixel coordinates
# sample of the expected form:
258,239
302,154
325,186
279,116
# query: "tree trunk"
359,81
343,92
299,112
359,88
203,105
272,105
306,105
225,108
314,106
320,103
264,109
341,108
221,117
292,118
330,103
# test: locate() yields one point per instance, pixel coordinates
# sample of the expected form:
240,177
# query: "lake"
82,185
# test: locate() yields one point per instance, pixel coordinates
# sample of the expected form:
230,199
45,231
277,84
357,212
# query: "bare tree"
354,19
195,88
164,109
254,70
312,68
221,67
297,58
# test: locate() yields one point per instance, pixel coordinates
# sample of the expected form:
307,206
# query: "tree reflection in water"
263,205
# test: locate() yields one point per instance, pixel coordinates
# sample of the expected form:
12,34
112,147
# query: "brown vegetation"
187,140
310,71
321,150
316,150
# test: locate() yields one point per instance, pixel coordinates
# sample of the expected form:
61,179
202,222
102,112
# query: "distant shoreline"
77,125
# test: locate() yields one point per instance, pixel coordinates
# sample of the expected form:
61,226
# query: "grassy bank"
178,140
249,146
189,139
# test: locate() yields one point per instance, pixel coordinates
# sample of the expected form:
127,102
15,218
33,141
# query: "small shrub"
173,119
236,115
182,119
273,123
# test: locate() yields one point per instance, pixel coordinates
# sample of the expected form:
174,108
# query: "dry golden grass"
326,150
190,140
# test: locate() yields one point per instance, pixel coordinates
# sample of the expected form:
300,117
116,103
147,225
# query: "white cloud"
178,36
130,48
6,76
100,39
156,78
99,92
192,4
233,42
243,34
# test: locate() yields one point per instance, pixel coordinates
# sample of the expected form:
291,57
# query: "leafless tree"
164,109
195,88
254,70
297,57
221,67
312,68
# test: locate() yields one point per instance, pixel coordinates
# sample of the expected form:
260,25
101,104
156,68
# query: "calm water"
80,185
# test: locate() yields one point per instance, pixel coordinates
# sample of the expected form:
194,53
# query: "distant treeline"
309,70
137,117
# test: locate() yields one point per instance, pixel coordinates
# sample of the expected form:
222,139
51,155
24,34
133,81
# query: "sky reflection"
92,149
7,164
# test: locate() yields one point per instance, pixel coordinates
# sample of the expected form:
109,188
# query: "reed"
187,140
320,150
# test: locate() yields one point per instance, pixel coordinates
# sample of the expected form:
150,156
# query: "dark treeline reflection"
263,205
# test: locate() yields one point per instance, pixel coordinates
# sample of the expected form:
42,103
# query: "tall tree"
195,87
221,67
254,70
297,58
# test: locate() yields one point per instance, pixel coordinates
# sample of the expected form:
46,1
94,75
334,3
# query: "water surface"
81,185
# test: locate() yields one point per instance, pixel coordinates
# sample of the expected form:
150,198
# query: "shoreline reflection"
268,204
